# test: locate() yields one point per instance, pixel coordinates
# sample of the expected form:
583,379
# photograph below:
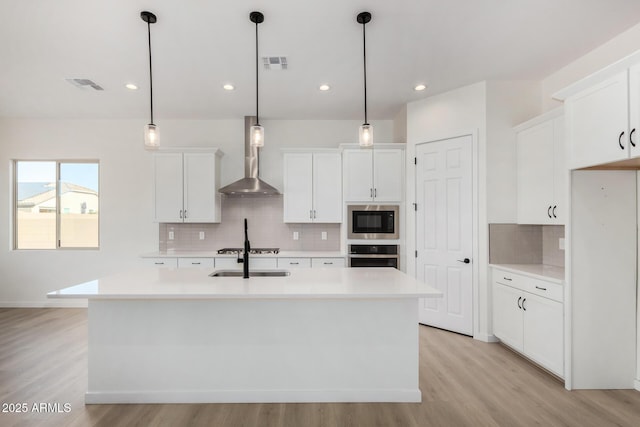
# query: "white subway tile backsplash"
266,229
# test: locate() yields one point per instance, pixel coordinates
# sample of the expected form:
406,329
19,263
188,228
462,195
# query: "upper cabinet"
186,186
373,175
603,119
541,170
312,186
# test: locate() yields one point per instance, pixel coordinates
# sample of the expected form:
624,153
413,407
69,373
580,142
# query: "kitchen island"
159,335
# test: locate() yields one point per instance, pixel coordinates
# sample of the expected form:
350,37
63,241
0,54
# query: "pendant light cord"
150,70
257,104
364,56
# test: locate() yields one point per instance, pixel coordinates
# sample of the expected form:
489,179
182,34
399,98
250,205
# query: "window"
56,204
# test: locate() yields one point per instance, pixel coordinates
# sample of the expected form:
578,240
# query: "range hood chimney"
251,184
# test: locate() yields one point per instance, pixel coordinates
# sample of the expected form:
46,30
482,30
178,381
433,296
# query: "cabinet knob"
633,144
620,140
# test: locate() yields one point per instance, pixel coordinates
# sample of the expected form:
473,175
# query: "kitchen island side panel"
246,350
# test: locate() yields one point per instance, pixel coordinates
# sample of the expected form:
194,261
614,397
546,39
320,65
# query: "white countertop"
212,254
537,271
303,283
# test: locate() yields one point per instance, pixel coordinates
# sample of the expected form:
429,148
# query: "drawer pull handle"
195,263
519,298
523,307
631,137
549,212
328,263
294,263
159,263
620,140
506,278
541,288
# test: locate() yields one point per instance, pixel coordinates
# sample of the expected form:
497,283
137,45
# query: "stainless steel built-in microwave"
373,222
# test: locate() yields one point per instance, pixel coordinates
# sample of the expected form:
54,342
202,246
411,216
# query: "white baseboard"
253,396
486,338
636,384
71,303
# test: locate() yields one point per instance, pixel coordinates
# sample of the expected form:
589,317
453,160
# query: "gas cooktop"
254,251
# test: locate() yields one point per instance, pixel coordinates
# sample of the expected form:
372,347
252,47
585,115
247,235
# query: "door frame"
411,234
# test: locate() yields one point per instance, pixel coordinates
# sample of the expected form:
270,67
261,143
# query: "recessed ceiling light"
131,86
228,87
420,87
324,88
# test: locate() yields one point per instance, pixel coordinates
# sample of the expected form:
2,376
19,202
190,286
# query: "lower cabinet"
527,322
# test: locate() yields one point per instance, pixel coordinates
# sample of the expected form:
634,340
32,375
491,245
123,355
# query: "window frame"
14,209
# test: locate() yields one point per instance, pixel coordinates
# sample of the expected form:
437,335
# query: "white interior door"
444,228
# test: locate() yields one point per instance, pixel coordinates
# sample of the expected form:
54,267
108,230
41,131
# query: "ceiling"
199,45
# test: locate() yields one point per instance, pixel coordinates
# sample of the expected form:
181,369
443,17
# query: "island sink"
253,273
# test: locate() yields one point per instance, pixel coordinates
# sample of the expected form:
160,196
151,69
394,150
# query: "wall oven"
374,256
373,222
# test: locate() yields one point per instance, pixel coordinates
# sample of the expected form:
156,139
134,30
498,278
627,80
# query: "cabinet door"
597,121
201,198
634,110
543,332
387,175
298,187
507,315
167,170
535,165
560,171
327,187
358,175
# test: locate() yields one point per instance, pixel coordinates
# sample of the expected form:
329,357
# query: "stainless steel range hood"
251,184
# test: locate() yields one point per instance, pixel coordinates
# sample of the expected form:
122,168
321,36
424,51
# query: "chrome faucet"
245,256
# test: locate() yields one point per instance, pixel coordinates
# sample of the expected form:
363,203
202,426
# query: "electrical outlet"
202,235
171,235
561,243
324,235
296,235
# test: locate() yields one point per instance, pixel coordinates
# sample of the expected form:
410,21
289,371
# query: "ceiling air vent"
275,62
85,84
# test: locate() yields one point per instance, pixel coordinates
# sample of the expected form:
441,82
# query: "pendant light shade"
151,131
257,131
366,130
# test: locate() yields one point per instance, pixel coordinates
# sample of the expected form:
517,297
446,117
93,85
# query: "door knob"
466,260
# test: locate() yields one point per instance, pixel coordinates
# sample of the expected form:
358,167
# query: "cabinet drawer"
554,291
327,262
162,262
195,263
508,278
294,262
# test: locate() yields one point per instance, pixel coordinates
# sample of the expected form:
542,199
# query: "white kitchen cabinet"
161,262
294,262
373,175
541,170
328,262
528,316
186,186
602,121
207,263
312,187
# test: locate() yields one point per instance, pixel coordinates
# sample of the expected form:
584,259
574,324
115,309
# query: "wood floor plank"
464,382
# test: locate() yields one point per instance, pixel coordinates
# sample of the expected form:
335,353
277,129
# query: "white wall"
126,228
617,48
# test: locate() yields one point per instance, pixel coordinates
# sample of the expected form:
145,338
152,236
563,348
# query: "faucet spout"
245,255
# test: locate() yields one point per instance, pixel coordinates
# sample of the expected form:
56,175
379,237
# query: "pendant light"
257,131
151,131
366,130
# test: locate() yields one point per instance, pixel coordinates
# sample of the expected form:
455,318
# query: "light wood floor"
464,383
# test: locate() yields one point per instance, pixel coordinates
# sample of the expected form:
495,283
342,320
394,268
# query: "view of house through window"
42,186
